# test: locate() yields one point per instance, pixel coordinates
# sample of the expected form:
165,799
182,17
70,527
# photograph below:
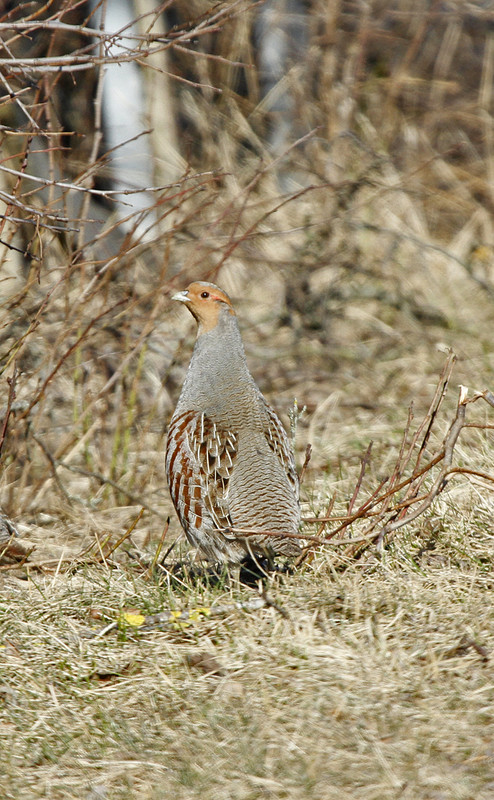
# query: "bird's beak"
182,296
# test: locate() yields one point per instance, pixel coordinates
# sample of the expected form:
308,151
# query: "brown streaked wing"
279,443
206,454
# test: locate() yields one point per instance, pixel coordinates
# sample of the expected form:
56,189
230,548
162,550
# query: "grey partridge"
229,463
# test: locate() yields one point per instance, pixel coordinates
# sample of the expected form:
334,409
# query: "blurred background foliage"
329,163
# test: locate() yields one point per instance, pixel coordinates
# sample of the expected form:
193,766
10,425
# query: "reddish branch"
387,511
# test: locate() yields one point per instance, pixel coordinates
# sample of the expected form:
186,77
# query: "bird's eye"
204,294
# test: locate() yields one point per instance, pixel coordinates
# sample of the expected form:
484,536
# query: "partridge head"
229,463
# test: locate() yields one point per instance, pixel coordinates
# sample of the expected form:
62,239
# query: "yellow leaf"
133,619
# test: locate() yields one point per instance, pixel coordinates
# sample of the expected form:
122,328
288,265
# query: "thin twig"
308,453
363,466
10,399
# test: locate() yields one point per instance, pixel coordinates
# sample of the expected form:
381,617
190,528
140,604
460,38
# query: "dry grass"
377,686
356,257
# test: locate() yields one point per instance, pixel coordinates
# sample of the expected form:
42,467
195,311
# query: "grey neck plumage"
218,381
